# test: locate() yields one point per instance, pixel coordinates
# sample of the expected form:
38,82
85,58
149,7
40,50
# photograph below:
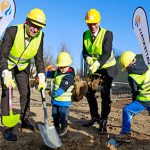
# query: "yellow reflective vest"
143,82
95,49
66,96
19,55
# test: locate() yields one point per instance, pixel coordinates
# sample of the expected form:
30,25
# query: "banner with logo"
140,26
7,13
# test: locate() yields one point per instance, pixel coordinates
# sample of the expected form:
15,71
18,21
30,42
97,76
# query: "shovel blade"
113,142
11,120
50,136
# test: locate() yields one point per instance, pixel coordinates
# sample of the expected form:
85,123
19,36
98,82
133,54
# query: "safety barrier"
120,89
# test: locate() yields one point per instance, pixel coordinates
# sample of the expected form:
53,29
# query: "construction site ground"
79,137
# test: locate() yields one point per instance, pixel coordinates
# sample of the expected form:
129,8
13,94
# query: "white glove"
7,77
89,60
93,68
42,83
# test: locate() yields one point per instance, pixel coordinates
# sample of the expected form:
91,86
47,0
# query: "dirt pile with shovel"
79,137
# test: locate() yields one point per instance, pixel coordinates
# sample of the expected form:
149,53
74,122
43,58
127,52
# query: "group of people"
25,41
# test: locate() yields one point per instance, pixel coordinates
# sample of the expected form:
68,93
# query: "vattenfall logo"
137,21
144,45
5,8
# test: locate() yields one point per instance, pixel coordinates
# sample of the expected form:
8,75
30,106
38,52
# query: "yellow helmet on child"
92,16
37,17
64,59
126,59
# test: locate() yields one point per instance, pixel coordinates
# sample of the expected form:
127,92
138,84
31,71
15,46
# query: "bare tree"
48,59
63,48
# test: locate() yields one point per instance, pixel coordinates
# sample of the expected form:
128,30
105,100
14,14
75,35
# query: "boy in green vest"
139,81
62,92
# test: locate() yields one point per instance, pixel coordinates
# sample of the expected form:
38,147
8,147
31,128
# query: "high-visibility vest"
143,82
66,96
95,49
19,55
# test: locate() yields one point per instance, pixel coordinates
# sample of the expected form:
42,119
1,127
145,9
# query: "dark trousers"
22,81
60,116
106,99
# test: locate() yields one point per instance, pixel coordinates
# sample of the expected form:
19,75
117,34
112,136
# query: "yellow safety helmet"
37,17
92,16
126,59
63,59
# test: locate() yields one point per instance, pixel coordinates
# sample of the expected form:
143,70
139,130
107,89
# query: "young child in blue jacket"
139,81
62,92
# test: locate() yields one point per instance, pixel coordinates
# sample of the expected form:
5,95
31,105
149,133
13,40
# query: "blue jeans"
128,111
60,116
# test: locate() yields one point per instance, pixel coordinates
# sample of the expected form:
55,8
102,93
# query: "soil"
79,137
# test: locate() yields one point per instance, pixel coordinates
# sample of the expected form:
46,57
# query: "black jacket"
7,43
107,49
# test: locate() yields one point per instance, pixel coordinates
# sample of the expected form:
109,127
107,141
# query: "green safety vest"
95,49
143,82
19,55
66,96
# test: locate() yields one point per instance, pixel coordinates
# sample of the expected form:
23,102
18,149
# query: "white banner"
140,26
7,13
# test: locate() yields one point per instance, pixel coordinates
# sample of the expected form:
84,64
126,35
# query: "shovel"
11,120
49,133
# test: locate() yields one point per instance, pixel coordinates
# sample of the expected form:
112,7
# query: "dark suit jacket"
7,43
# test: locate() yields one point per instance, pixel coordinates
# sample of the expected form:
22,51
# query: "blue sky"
65,22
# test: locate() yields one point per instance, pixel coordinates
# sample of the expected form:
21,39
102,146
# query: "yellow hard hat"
63,59
37,17
92,16
126,59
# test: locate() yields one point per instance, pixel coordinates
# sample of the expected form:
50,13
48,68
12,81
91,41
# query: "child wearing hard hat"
139,81
62,92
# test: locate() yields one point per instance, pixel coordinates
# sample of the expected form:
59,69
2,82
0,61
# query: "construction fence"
120,90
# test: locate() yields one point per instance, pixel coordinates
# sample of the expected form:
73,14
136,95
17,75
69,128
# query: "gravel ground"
78,137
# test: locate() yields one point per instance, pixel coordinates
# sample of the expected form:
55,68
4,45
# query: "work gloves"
42,83
7,78
93,68
89,60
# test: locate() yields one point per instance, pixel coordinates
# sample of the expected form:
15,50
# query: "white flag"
140,26
7,13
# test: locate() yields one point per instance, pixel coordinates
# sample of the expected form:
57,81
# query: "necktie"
27,41
93,38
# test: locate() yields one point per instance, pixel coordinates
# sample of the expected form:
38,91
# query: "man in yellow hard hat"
19,44
97,52
139,81
62,92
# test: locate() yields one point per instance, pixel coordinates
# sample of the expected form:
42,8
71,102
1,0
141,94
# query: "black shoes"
92,121
9,135
27,125
103,127
63,132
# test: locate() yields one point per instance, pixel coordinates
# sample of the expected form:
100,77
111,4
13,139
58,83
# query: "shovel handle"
44,106
10,97
43,95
